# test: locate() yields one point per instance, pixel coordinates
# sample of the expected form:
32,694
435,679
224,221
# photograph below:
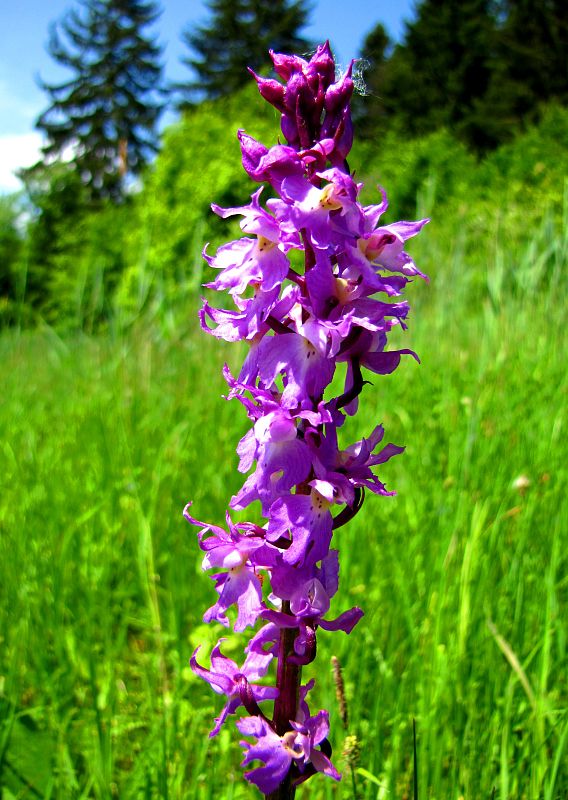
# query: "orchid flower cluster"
300,326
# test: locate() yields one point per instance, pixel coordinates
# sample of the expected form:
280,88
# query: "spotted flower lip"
248,262
327,213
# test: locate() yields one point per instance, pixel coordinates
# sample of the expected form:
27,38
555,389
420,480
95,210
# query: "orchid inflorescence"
300,326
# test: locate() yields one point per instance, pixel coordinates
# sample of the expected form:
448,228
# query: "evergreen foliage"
368,109
108,110
59,199
74,251
529,63
478,67
11,248
239,35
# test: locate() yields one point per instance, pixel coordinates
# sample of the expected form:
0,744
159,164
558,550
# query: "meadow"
463,575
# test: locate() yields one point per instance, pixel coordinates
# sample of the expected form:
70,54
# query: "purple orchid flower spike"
299,325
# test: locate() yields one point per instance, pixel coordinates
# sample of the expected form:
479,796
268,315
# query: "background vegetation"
462,576
112,419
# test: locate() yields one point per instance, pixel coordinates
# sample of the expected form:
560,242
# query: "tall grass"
462,576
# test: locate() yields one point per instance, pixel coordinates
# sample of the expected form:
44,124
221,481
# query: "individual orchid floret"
339,309
246,323
326,213
270,749
254,318
311,603
238,685
350,469
259,222
272,165
298,746
305,520
246,262
334,284
308,591
357,459
263,646
383,248
260,261
241,551
263,402
367,350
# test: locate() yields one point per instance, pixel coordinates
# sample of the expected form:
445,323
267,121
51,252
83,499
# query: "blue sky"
24,32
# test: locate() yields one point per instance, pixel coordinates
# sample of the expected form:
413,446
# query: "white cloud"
16,151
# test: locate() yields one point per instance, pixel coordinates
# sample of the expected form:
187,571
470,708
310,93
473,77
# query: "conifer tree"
481,68
107,112
368,109
443,67
529,65
434,77
238,35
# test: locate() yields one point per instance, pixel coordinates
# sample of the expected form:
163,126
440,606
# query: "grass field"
463,576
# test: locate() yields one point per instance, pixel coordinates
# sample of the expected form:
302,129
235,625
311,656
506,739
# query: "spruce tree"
106,113
449,46
368,110
530,63
434,77
238,35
